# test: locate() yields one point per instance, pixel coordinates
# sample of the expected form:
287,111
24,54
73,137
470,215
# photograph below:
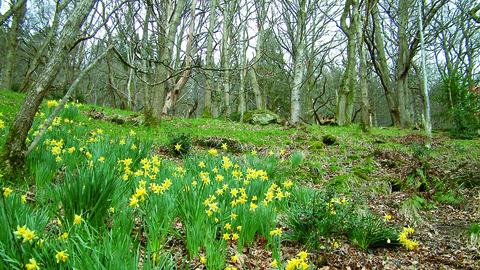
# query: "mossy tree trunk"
347,87
13,155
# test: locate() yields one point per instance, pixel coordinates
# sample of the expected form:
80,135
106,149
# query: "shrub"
315,215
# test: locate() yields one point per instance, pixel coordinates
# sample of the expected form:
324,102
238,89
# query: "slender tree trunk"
256,88
64,100
14,8
426,99
298,64
13,154
11,48
226,55
207,107
365,120
261,16
111,86
144,53
243,72
347,86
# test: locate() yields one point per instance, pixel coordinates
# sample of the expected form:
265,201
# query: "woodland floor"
440,228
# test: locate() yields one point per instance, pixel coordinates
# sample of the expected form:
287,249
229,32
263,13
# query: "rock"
262,118
126,120
315,146
329,139
233,146
118,119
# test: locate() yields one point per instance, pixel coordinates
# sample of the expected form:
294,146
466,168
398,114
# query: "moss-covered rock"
329,139
233,146
315,146
261,117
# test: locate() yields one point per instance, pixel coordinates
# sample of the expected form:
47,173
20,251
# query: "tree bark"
15,8
166,37
401,68
426,99
299,64
347,86
261,17
172,95
207,106
11,48
145,88
365,120
242,106
225,79
379,59
13,154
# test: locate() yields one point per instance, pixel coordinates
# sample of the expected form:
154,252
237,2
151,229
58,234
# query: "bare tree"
12,44
347,88
365,120
428,121
207,108
474,13
167,24
294,19
172,94
13,9
407,40
13,154
261,8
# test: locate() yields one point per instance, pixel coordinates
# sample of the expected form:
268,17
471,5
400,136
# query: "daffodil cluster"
410,245
25,233
298,263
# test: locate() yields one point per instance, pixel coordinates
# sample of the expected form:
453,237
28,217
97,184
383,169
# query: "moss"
361,174
315,146
207,113
329,139
151,120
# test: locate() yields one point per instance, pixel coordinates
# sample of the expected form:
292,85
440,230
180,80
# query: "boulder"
262,118
233,146
329,139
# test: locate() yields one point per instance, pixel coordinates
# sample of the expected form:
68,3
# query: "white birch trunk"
299,65
428,121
